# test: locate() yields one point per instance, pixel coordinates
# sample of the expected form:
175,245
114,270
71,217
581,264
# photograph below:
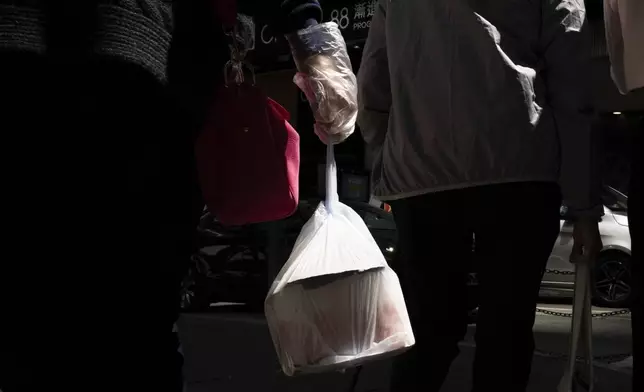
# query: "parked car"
612,271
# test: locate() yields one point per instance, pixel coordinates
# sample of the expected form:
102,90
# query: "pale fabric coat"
624,21
462,93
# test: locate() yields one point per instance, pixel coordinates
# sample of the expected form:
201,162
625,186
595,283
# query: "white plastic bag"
579,375
336,303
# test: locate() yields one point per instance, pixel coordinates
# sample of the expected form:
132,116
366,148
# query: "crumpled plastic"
326,77
579,375
336,303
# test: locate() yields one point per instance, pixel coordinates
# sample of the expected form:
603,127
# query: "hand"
588,242
327,79
332,94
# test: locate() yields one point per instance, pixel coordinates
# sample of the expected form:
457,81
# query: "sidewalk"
234,352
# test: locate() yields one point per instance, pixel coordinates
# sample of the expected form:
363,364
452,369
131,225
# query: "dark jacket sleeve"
566,44
285,15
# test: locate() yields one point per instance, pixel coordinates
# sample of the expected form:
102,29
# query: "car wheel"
612,280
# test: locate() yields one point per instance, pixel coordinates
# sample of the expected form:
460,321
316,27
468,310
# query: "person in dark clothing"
435,238
100,104
476,116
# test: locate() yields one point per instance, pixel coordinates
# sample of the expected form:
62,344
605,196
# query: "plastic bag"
327,79
336,303
579,375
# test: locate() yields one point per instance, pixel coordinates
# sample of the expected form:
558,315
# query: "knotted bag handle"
226,11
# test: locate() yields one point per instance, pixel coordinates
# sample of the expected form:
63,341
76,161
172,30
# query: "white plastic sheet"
336,303
327,79
579,375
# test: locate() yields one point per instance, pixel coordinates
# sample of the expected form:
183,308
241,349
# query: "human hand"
333,98
327,79
587,240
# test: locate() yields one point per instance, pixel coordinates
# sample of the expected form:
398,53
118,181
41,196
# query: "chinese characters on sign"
354,19
371,8
363,12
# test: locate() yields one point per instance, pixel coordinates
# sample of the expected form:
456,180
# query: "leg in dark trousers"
434,243
516,228
636,226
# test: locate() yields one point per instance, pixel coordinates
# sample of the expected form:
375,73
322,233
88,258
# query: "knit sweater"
137,31
179,43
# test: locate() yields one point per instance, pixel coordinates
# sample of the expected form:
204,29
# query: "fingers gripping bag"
336,303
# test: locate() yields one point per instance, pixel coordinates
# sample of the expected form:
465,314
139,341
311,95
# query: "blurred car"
612,285
230,263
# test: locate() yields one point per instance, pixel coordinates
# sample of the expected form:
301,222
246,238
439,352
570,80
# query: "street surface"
230,350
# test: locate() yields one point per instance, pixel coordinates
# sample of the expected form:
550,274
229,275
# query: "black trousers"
636,226
515,226
101,200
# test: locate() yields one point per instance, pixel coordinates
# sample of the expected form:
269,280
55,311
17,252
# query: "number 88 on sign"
361,16
341,17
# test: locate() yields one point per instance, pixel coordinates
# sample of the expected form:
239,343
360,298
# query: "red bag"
248,155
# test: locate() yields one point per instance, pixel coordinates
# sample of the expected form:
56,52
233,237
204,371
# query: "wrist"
318,39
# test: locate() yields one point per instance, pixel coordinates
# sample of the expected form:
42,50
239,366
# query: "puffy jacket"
625,38
460,93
